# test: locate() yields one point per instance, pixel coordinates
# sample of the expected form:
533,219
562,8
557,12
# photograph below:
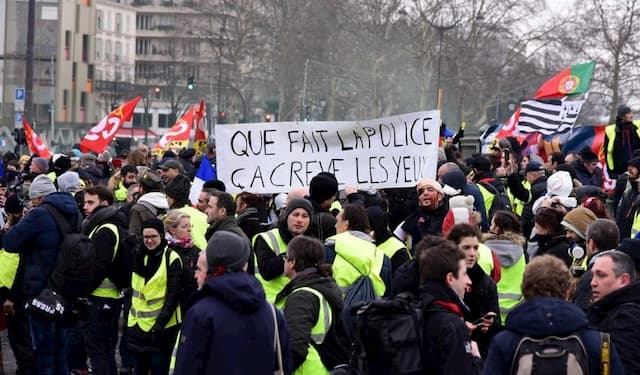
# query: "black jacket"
585,177
556,245
538,189
423,223
481,299
627,208
619,159
618,313
189,257
301,311
447,344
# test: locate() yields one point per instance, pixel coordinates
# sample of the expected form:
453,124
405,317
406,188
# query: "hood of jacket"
545,316
507,246
102,215
239,290
156,199
628,294
64,202
312,279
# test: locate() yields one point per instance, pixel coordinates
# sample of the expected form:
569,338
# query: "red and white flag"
178,135
101,135
36,146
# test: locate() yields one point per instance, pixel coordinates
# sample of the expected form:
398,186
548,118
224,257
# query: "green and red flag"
572,80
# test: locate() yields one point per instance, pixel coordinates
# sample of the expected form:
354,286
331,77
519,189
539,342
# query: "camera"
577,271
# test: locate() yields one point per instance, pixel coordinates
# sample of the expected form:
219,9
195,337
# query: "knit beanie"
299,203
587,155
178,188
61,163
623,110
226,252
13,205
68,182
322,187
41,186
578,220
454,182
154,223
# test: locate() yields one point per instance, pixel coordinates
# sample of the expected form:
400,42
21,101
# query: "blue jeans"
49,339
101,334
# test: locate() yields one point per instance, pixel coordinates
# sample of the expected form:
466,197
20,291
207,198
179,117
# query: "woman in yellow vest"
271,246
155,313
312,304
505,240
389,244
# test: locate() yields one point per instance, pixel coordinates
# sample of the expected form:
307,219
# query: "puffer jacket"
37,237
542,317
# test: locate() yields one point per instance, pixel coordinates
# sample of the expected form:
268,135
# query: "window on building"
143,22
163,120
85,47
83,100
74,71
98,48
77,18
67,44
90,72
117,53
143,46
107,49
99,15
118,23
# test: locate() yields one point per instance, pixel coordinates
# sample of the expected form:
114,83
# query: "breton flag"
204,174
548,116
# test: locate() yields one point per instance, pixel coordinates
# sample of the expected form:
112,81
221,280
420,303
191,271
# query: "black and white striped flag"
548,116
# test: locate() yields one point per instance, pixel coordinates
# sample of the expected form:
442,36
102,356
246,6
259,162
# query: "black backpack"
74,273
500,199
555,355
389,336
122,266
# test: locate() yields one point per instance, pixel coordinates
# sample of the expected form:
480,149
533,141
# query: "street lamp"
441,27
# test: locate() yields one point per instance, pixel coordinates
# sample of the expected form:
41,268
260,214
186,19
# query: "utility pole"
304,88
28,78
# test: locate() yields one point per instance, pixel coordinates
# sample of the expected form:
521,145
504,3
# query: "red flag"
178,135
570,81
509,128
36,146
101,135
200,138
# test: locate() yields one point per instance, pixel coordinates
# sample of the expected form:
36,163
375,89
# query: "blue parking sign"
20,94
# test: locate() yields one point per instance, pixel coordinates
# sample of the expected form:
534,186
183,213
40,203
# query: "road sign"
18,123
18,104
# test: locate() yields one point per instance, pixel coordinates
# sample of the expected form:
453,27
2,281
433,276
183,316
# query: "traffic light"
222,117
190,83
157,91
267,117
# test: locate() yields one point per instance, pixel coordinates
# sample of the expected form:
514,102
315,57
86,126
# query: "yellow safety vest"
485,259
313,364
8,268
635,226
52,176
487,198
336,205
352,252
199,226
147,299
391,246
278,246
509,287
516,204
107,289
120,193
610,132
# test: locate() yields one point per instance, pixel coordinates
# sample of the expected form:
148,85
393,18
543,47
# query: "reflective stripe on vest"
120,194
610,132
509,287
275,242
174,353
485,258
312,363
356,257
391,246
107,289
8,268
487,198
147,299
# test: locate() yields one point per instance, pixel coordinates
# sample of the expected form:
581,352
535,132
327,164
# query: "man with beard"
428,218
127,177
628,206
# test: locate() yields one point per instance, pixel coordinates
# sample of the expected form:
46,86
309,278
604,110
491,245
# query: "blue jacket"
541,317
230,330
36,237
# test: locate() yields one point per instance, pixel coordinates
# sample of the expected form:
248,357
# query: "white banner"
395,151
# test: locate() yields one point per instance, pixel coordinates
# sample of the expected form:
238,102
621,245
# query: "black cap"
171,164
587,155
534,166
481,164
623,110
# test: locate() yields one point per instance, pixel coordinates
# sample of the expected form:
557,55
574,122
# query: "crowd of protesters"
501,246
